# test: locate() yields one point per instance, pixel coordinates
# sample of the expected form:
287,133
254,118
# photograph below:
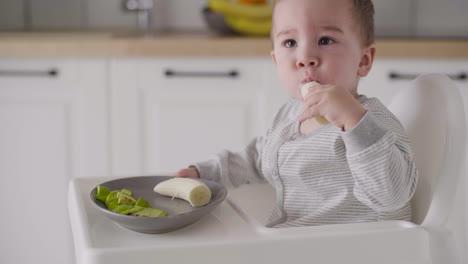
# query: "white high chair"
432,112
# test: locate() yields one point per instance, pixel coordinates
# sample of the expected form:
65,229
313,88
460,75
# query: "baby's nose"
310,61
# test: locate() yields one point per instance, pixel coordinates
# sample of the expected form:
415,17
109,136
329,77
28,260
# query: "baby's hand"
191,172
334,103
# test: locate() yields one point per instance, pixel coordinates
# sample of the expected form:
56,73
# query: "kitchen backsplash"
394,18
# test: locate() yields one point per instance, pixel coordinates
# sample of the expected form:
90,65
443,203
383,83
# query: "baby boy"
358,166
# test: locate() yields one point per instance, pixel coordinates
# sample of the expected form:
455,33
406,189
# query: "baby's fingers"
188,172
309,112
312,100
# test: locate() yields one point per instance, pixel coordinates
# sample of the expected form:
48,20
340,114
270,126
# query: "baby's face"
318,40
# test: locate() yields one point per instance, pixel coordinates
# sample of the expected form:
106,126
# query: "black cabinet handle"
29,73
205,74
462,76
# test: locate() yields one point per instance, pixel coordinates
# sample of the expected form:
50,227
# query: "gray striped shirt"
328,176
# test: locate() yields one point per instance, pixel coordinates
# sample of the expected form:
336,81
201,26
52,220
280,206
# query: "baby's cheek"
289,84
294,90
346,76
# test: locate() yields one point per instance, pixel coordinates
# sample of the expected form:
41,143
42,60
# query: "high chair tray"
234,233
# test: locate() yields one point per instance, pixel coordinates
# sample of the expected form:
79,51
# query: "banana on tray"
193,191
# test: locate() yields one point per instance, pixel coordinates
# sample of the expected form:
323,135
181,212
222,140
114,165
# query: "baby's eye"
326,41
289,43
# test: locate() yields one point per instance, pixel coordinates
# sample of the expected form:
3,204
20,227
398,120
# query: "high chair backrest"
431,110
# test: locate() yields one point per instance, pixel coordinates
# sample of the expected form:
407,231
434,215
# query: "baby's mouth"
308,80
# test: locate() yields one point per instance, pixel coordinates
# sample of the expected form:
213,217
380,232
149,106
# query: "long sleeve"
235,168
381,162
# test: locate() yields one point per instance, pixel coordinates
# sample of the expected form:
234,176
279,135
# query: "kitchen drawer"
34,74
181,76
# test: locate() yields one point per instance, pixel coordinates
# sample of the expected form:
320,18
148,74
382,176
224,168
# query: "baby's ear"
367,58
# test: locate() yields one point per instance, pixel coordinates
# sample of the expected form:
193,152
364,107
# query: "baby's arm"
231,168
237,168
381,161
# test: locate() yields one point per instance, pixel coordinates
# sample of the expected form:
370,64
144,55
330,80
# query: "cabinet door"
50,132
162,123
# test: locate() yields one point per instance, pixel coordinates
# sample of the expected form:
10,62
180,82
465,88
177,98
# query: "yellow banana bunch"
247,19
242,10
249,26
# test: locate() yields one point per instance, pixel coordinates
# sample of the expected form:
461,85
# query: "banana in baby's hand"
304,91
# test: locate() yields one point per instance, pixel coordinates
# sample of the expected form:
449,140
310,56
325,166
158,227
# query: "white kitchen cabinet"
170,112
53,119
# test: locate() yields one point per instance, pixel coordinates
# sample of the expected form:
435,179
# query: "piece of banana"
252,2
304,91
241,10
249,26
193,191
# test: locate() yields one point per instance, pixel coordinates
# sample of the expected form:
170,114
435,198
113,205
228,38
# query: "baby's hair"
363,14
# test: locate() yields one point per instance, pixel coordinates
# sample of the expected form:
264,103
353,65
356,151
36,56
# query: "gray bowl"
180,212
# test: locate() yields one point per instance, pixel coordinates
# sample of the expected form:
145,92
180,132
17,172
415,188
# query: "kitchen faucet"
143,9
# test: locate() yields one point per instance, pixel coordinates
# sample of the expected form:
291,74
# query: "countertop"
108,44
